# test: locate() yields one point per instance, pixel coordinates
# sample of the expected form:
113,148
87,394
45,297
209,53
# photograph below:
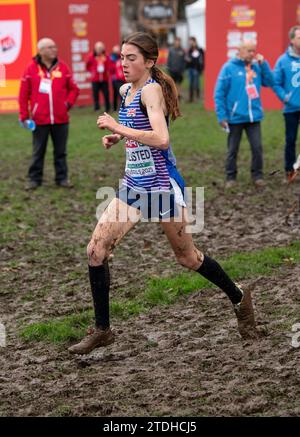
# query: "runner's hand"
105,121
109,140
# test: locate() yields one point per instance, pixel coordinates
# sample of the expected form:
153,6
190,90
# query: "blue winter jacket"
231,99
287,80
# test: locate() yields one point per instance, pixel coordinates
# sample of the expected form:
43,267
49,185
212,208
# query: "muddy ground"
186,359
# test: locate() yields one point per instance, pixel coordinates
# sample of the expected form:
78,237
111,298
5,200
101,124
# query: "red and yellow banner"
74,25
18,39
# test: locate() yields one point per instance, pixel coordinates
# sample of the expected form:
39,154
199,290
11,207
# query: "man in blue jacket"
287,88
238,107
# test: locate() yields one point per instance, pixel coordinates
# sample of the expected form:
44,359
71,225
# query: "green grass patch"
125,309
239,266
196,139
166,291
70,327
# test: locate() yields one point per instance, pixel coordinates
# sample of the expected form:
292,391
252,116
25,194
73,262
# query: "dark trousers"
291,131
117,98
59,135
103,87
253,131
194,83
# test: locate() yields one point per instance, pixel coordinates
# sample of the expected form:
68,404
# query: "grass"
45,233
70,327
196,139
239,266
74,326
165,291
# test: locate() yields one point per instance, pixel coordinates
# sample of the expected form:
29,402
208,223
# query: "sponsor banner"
76,25
18,39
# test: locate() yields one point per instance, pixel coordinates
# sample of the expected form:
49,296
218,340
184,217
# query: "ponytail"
169,91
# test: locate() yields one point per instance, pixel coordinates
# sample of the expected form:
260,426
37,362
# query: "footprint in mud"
98,357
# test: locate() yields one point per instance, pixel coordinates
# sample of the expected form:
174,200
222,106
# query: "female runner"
152,188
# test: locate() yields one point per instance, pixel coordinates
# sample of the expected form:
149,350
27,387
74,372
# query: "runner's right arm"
158,136
109,140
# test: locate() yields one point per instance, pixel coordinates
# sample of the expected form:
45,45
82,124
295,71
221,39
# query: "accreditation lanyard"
101,67
251,89
45,83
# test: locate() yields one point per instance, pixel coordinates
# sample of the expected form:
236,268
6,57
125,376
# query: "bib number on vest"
139,162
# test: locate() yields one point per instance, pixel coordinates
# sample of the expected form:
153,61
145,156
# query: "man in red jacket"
47,93
99,66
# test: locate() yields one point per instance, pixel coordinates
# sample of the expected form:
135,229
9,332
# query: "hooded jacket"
287,80
232,102
47,107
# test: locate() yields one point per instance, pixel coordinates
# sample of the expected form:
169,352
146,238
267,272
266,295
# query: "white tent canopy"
195,15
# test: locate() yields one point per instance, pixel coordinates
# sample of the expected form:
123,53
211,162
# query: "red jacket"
50,107
99,67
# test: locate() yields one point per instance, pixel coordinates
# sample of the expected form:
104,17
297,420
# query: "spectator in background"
287,88
117,75
98,65
238,107
176,63
47,93
195,66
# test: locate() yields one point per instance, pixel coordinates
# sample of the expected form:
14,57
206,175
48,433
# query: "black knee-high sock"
212,271
100,282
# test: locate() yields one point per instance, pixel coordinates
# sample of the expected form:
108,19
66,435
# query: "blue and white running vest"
147,167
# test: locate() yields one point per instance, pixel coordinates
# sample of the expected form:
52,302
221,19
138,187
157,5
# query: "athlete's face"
133,62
